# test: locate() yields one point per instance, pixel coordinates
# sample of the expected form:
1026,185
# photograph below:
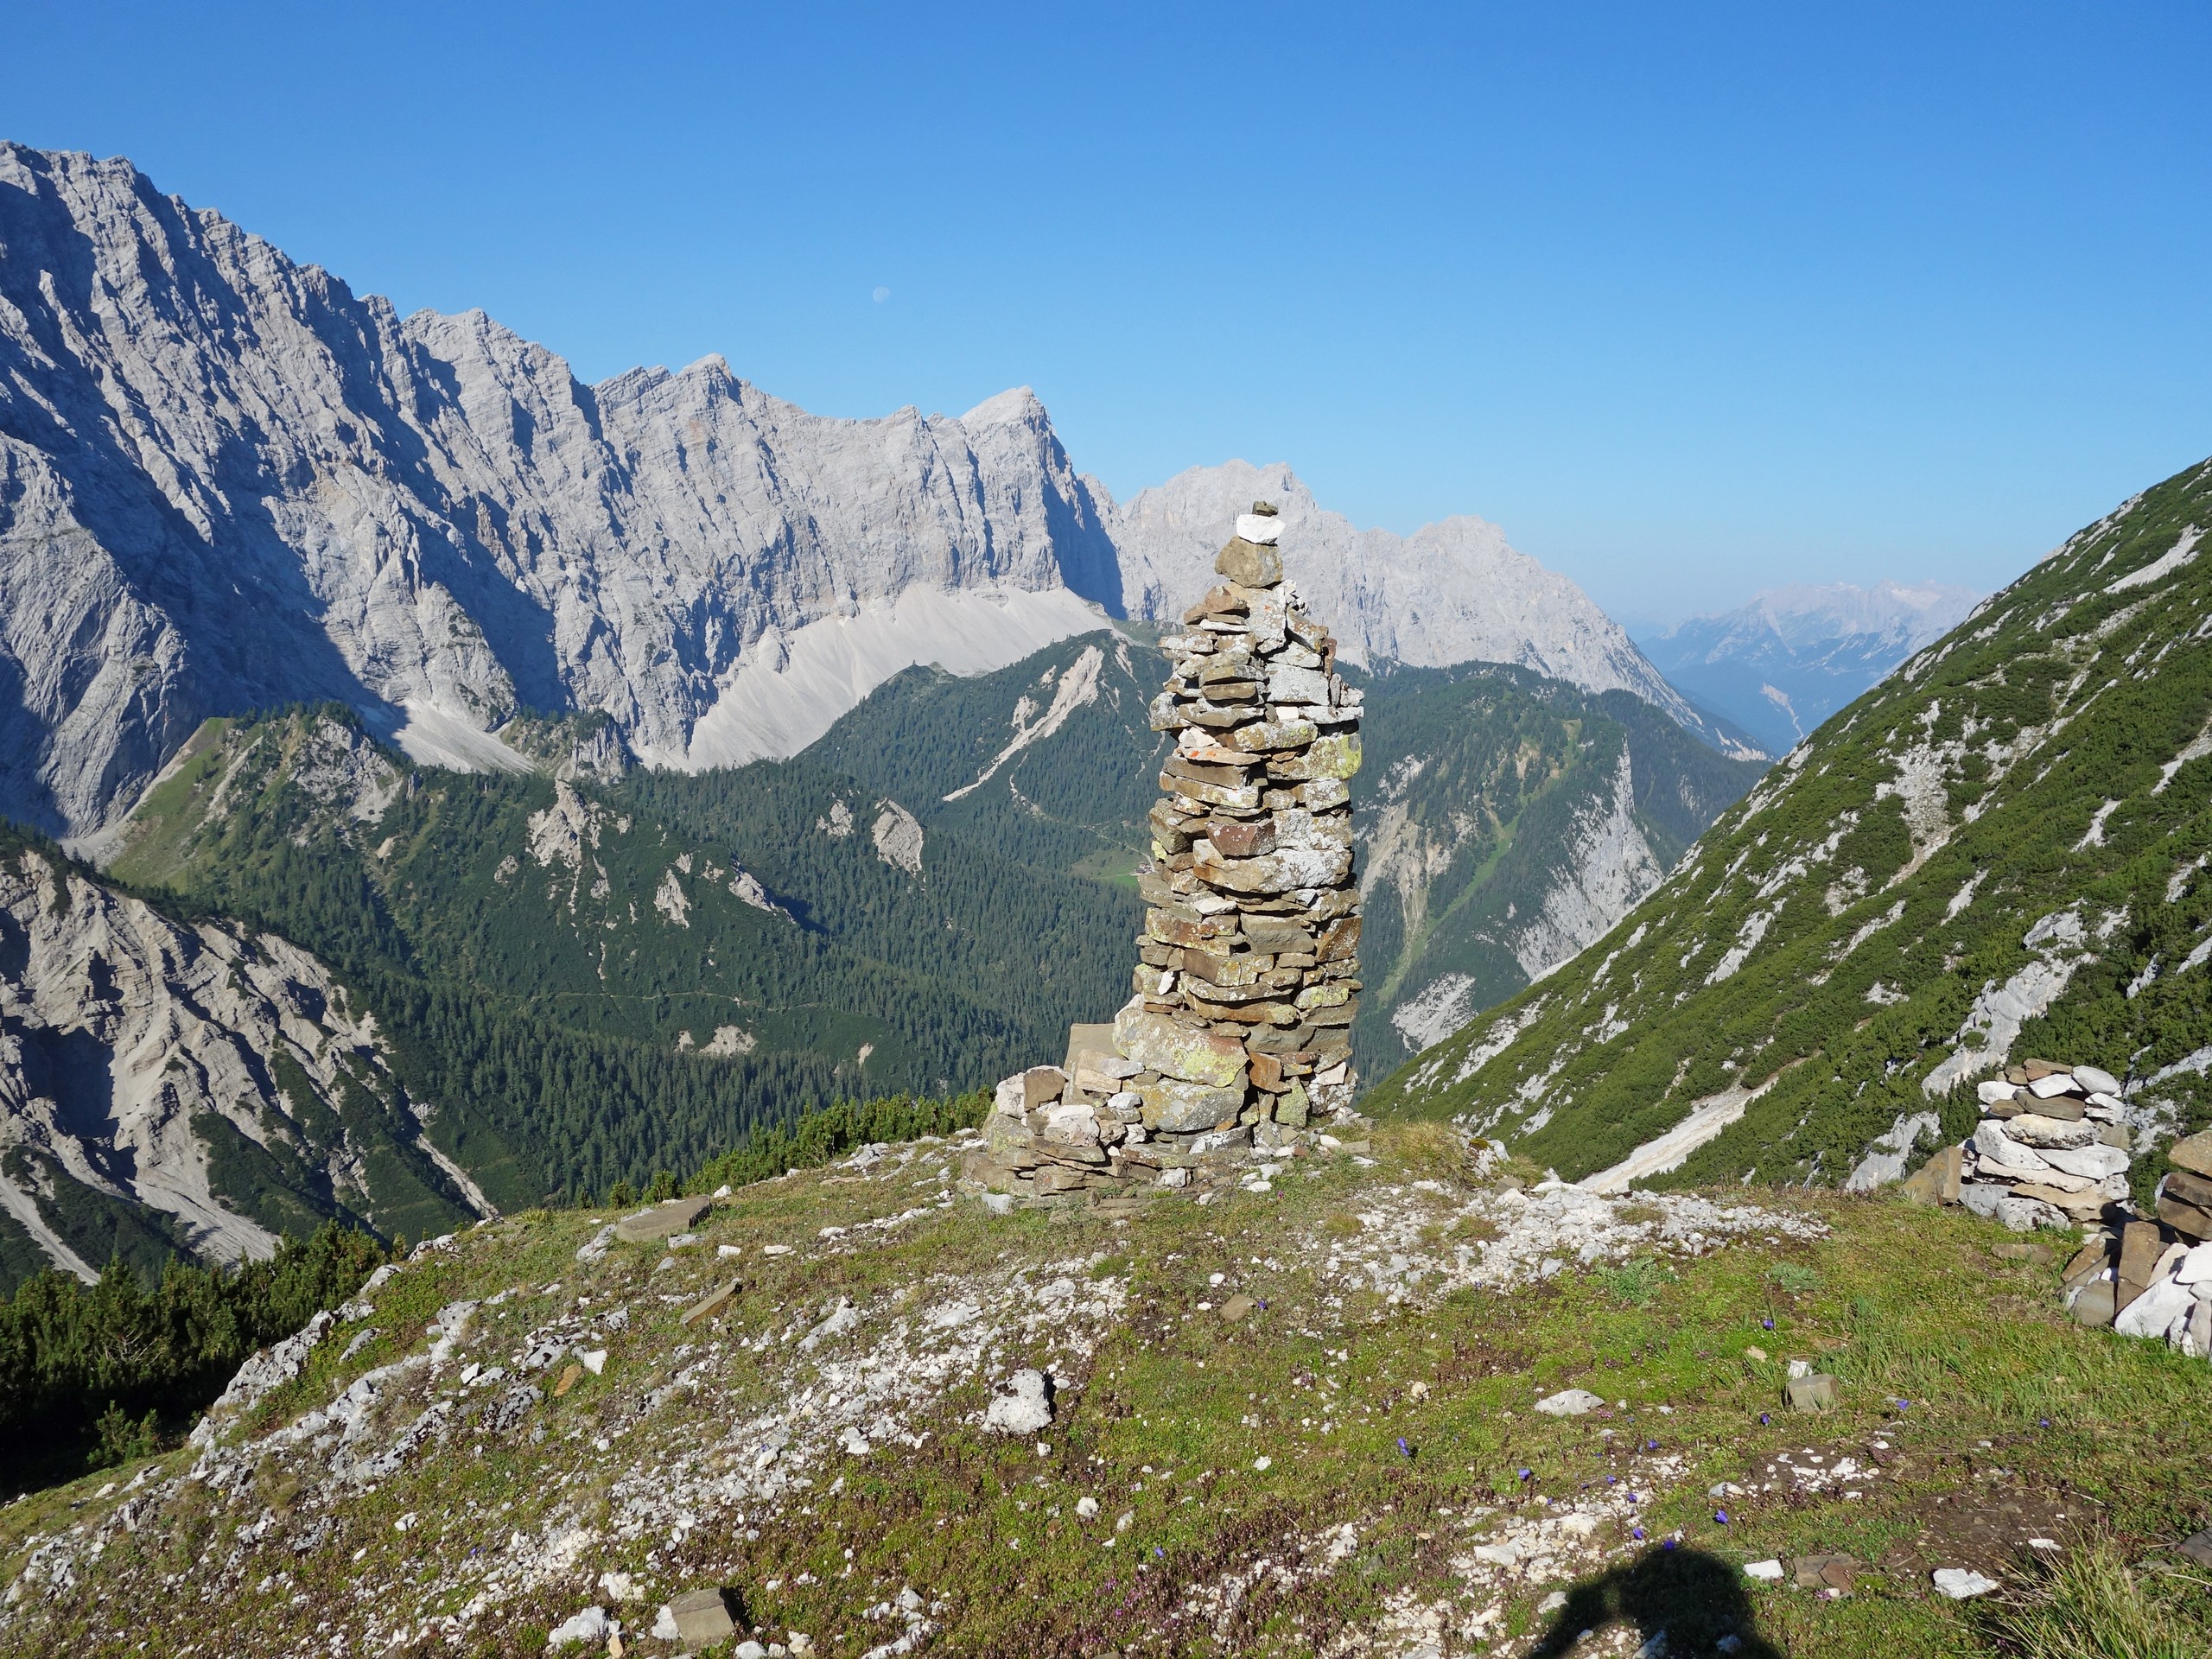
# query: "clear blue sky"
1692,299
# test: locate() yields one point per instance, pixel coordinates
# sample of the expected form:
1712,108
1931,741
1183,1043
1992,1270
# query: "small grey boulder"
702,1616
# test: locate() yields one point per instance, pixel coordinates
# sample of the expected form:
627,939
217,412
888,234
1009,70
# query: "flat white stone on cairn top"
1239,1034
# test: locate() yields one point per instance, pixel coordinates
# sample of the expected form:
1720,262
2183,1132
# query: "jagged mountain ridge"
1784,662
227,483
1452,592
1997,852
431,516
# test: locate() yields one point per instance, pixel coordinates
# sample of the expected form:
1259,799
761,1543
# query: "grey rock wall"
228,482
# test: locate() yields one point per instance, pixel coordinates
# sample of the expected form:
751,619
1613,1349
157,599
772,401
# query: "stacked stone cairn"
1236,1043
2053,1150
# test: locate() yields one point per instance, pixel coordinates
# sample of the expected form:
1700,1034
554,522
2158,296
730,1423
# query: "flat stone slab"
1961,1583
1814,1393
663,1220
1833,1572
703,1616
712,1303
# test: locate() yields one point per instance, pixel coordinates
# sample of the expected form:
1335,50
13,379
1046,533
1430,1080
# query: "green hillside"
1051,762
1509,817
1997,852
589,978
595,980
1494,809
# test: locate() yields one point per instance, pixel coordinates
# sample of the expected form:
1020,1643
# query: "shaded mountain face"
1998,853
228,484
1780,665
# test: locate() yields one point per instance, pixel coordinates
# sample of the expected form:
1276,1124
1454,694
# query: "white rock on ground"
1960,1583
1023,1404
590,1625
1569,1402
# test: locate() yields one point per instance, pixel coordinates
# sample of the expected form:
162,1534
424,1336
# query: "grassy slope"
1508,762
2012,1422
1485,775
1887,875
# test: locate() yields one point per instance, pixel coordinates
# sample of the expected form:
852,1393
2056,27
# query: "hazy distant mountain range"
228,483
1781,664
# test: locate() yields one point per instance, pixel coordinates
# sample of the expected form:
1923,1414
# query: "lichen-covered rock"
1179,1108
1168,1045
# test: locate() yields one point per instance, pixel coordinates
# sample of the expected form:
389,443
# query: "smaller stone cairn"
2053,1150
1236,1044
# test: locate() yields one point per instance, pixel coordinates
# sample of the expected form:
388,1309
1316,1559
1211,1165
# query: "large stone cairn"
2053,1150
1236,1043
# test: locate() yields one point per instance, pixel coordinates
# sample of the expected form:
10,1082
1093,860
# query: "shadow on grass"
1696,1599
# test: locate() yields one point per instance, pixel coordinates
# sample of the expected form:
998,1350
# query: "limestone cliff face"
215,1076
228,482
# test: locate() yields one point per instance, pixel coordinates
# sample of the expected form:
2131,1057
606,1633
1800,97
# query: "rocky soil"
549,1423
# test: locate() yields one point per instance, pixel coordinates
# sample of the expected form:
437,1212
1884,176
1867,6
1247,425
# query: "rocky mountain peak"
227,483
1454,591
